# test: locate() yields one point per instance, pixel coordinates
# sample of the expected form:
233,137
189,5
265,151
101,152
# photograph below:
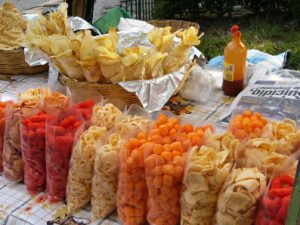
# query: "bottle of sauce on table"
235,54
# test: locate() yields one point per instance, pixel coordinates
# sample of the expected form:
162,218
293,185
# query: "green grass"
271,35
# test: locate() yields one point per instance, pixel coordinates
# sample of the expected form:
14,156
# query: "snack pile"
97,59
12,27
160,172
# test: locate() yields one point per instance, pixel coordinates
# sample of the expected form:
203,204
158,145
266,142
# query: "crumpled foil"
154,93
78,23
38,58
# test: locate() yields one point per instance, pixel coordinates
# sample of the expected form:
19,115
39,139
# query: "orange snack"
2,130
164,167
247,125
132,190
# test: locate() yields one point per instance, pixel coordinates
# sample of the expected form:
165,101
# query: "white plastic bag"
199,85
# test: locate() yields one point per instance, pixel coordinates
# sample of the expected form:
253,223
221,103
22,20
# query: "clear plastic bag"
237,201
168,142
81,168
106,167
64,125
205,173
2,131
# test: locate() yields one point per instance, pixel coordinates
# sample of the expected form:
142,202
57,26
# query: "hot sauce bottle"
235,54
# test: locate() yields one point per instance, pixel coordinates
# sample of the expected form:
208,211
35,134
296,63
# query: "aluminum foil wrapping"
78,23
153,93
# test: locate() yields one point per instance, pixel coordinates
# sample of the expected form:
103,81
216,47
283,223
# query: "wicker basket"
113,92
12,62
175,24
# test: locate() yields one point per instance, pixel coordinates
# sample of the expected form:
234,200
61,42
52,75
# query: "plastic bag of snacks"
106,167
2,131
164,166
275,202
105,178
12,155
240,194
81,168
33,151
132,189
64,125
205,173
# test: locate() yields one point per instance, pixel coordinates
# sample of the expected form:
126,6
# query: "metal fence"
139,9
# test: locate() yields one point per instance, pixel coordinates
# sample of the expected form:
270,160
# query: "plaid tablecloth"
18,208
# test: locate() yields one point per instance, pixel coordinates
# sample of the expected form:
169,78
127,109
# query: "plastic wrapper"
205,173
2,131
199,86
164,167
240,194
63,127
276,200
106,167
33,151
12,154
81,168
132,189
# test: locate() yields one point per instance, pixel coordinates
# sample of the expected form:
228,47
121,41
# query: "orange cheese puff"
132,189
247,125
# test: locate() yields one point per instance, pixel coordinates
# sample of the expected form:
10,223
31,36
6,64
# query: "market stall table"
17,207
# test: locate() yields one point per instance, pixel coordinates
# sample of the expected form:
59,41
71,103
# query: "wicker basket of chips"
113,92
12,29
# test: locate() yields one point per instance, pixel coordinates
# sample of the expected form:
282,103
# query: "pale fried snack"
12,27
205,174
105,178
238,199
81,168
106,116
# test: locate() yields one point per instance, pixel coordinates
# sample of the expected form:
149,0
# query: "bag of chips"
205,173
240,194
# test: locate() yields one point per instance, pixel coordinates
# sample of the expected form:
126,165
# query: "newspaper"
275,94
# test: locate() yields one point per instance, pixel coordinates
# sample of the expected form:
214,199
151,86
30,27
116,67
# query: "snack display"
61,134
205,173
12,27
81,168
97,59
107,164
2,131
238,199
33,152
249,124
164,166
275,202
